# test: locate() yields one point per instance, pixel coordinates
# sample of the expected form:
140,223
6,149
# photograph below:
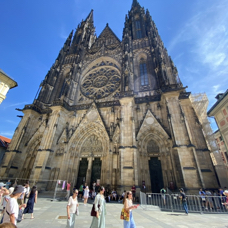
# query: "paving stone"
46,215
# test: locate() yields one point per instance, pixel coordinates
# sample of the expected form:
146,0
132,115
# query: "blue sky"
195,34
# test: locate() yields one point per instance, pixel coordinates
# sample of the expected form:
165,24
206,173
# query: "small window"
143,73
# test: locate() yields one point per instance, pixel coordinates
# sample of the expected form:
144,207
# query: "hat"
181,189
18,189
11,190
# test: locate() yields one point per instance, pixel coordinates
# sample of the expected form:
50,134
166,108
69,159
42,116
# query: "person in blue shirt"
8,183
203,197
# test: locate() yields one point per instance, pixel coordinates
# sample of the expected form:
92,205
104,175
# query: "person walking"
31,200
184,200
163,192
68,191
100,209
86,195
72,209
12,208
27,190
128,207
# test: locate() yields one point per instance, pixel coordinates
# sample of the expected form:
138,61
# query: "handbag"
125,215
77,211
93,212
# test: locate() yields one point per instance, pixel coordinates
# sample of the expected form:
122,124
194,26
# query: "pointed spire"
90,17
68,40
135,3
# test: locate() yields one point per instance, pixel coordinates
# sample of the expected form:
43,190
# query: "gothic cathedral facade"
114,111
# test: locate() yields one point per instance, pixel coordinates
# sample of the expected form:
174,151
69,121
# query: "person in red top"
133,190
68,191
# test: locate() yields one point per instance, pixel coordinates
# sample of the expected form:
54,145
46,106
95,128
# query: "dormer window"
143,73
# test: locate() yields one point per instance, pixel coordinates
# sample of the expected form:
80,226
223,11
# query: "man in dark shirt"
184,200
133,190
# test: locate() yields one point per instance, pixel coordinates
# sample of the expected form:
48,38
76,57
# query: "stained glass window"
143,73
138,29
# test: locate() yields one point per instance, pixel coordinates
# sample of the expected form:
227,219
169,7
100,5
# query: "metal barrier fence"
173,203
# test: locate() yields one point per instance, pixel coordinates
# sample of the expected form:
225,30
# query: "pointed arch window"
143,72
138,29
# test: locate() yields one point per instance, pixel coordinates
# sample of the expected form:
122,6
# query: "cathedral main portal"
90,162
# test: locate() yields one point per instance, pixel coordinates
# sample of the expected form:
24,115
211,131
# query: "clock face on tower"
100,82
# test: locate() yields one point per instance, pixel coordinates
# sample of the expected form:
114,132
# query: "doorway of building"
83,166
96,170
155,174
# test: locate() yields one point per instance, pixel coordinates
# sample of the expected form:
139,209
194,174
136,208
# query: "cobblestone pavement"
47,215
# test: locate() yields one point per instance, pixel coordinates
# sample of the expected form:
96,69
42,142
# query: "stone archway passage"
83,166
155,174
96,170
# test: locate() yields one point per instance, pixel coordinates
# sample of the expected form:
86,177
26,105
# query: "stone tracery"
100,82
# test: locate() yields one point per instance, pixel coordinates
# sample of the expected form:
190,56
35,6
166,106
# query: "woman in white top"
72,209
86,195
128,207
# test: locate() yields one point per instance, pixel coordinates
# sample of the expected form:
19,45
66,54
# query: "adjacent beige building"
6,83
220,112
113,111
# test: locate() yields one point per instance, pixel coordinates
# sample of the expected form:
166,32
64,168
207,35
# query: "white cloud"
12,122
205,36
6,133
16,104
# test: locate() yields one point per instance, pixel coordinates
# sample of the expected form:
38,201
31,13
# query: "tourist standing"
86,195
68,191
27,190
81,191
12,208
8,183
100,208
133,190
72,209
6,197
203,197
31,200
128,207
184,200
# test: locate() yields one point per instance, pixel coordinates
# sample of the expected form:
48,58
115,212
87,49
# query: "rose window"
100,83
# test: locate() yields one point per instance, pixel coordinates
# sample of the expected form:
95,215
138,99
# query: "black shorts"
80,192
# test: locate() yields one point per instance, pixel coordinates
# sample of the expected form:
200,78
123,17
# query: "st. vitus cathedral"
112,111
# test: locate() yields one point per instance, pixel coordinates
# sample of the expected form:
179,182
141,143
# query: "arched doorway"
90,162
155,167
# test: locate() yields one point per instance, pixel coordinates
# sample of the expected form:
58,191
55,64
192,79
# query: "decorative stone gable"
150,123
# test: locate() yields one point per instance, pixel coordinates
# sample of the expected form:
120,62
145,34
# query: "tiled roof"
4,142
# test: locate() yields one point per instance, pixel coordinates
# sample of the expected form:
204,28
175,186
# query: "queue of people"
14,202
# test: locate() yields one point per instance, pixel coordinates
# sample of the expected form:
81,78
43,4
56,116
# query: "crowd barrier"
173,203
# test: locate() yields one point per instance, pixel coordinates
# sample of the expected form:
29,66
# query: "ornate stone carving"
100,83
92,145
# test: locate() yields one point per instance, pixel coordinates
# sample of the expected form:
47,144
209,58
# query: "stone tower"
113,111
